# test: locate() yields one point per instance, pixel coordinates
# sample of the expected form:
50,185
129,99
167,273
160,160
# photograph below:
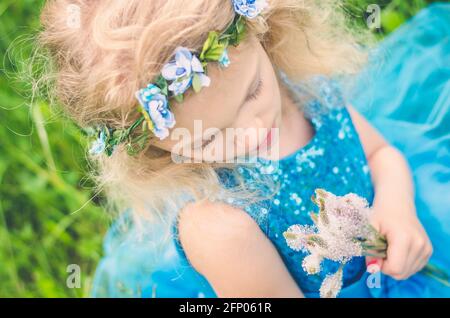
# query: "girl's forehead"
229,80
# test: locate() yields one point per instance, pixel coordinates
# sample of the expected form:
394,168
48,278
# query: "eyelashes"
256,92
208,141
253,96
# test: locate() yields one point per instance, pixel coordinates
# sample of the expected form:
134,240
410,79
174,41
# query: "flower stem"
436,273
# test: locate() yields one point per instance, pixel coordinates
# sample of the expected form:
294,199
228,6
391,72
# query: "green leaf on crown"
179,98
161,82
240,31
213,48
196,83
235,32
136,145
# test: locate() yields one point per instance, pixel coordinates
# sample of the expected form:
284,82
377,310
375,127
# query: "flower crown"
186,70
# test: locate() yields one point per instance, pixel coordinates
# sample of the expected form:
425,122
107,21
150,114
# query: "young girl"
143,73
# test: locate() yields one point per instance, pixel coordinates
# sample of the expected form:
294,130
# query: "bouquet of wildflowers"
341,231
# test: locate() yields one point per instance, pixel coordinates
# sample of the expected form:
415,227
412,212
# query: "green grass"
47,220
393,12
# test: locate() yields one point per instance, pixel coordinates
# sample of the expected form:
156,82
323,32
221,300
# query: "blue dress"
413,114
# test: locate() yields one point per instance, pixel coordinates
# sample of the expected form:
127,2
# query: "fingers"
406,256
409,248
396,263
423,251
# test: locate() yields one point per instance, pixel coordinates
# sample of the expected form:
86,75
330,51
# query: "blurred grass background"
47,220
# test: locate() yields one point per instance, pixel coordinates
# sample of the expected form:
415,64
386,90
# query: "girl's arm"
226,246
409,247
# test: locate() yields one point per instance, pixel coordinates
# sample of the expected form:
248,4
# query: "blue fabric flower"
99,145
249,8
224,59
156,105
181,71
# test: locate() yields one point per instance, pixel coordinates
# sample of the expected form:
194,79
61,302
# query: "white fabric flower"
181,71
249,8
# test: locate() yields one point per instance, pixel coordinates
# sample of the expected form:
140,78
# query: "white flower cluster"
340,227
331,285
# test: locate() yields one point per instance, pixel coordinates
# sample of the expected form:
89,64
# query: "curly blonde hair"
120,46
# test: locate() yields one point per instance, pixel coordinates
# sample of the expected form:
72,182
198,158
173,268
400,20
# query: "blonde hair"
120,46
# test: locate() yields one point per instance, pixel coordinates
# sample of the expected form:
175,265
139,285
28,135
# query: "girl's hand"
409,247
394,216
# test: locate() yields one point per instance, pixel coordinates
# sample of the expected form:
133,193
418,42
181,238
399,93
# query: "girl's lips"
267,142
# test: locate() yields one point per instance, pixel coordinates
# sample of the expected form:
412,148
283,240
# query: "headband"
184,71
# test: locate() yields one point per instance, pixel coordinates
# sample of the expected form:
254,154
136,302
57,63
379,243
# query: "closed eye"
208,141
256,92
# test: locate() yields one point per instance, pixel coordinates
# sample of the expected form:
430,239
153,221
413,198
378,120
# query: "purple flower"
181,71
157,107
249,8
348,215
